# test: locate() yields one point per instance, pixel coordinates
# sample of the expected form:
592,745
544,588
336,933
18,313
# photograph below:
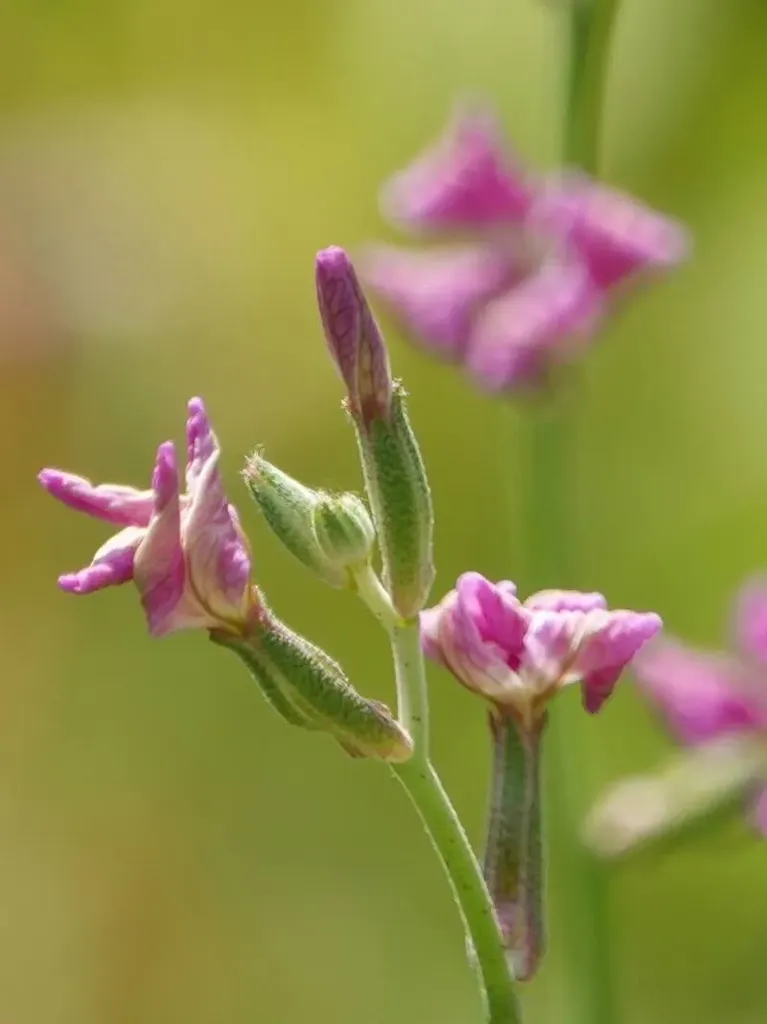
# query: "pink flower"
544,260
708,697
518,655
185,552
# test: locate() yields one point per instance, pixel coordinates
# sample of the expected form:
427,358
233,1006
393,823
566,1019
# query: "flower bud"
353,337
694,786
289,507
309,689
344,530
401,502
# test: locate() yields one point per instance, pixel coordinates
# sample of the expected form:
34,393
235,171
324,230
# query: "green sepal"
400,499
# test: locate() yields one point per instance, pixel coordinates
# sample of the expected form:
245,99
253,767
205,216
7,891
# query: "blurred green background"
169,850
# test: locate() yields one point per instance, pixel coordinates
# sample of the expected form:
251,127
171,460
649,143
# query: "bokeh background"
169,850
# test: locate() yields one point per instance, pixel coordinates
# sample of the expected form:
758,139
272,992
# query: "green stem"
446,832
583,889
412,696
584,884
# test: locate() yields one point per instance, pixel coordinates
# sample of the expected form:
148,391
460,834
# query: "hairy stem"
447,834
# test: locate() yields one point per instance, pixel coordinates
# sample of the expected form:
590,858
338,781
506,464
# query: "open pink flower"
519,654
707,697
185,551
543,258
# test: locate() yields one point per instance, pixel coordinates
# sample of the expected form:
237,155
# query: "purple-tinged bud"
309,689
353,337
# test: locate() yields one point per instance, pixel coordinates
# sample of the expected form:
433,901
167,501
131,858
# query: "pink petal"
751,619
616,234
542,321
201,442
607,652
159,570
124,506
702,696
436,293
429,621
498,617
465,180
217,555
565,600
112,565
549,647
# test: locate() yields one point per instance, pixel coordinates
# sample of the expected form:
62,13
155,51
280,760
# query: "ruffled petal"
541,322
465,180
565,600
123,506
608,648
112,564
616,234
160,570
435,294
701,696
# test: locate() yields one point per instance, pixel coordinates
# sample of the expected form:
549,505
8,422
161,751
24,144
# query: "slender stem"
452,845
590,29
411,685
583,890
446,831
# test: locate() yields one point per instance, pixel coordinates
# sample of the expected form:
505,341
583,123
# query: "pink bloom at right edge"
706,698
518,655
543,263
185,552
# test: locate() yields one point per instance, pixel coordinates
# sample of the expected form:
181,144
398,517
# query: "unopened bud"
353,337
401,502
288,507
344,530
695,785
309,689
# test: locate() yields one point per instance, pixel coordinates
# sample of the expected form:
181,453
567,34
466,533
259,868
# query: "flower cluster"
543,263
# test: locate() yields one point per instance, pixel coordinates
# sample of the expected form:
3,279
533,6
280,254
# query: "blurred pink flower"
518,655
185,552
529,290
705,697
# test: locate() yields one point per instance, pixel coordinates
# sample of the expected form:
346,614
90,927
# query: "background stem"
583,906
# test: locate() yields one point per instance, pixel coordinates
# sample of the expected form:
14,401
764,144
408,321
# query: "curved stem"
452,845
446,832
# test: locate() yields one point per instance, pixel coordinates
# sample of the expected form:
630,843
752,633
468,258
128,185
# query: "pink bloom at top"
706,697
185,552
519,654
544,256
